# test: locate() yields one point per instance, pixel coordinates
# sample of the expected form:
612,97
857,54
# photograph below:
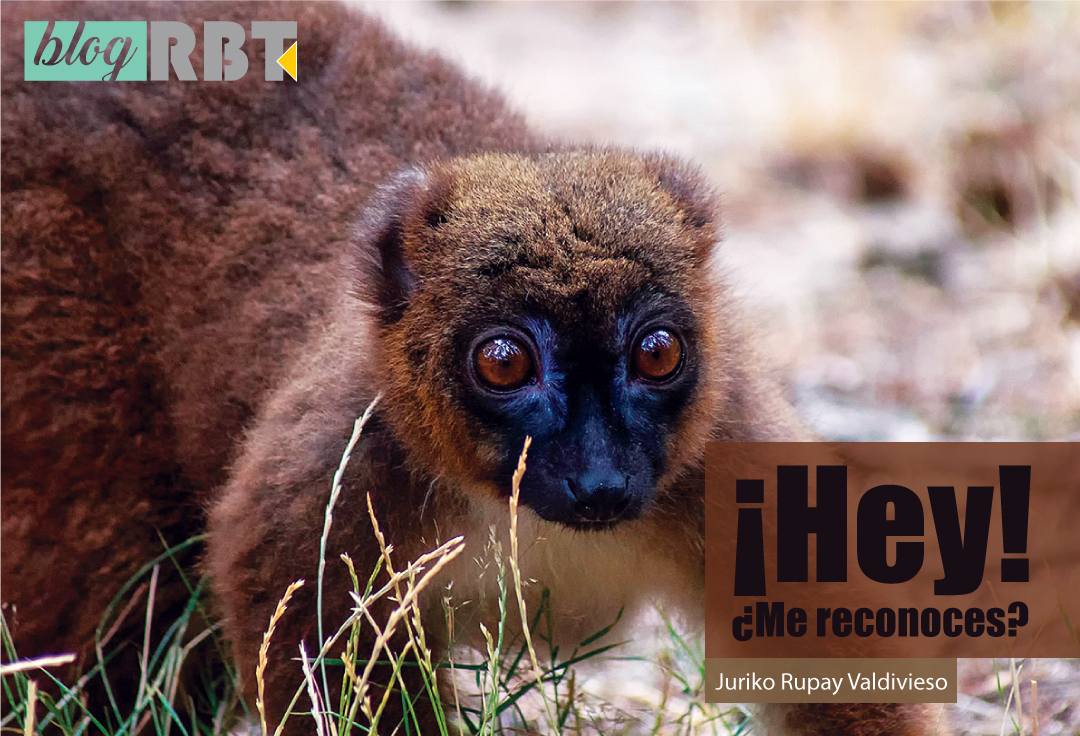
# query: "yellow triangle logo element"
287,61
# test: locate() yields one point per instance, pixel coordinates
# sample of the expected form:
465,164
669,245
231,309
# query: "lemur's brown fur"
195,310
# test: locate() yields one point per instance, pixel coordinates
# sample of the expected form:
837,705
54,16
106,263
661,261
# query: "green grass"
199,702
206,700
188,687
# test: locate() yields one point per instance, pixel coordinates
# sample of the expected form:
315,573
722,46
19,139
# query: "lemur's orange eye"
503,364
658,355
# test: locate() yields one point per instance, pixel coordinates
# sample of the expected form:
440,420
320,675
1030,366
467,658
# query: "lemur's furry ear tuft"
695,196
391,222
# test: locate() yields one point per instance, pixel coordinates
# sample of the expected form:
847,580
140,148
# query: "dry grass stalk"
1034,708
407,610
449,609
493,672
571,694
31,703
318,710
144,673
328,518
1014,695
373,717
1019,701
264,648
54,660
414,627
135,598
515,568
441,556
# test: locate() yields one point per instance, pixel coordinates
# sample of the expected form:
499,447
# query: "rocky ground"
901,185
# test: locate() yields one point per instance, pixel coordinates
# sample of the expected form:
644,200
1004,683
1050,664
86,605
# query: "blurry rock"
880,178
1068,290
913,238
859,175
841,419
1001,179
925,264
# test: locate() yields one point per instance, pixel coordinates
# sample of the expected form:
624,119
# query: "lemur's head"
564,296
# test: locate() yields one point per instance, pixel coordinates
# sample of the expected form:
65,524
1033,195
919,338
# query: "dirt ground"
901,185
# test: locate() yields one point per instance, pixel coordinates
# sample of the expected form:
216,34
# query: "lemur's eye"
503,364
658,355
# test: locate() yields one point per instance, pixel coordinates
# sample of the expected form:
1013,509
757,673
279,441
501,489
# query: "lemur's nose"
600,496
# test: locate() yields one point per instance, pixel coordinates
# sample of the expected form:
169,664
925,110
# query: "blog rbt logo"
74,51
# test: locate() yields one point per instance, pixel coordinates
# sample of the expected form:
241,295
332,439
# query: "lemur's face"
601,394
566,298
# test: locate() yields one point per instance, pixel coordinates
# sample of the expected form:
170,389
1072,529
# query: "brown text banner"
892,549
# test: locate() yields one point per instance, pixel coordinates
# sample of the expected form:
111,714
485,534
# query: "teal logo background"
90,46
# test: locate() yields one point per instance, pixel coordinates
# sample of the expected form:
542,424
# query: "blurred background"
900,181
901,190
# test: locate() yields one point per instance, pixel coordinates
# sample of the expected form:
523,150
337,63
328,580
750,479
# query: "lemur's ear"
695,196
392,223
